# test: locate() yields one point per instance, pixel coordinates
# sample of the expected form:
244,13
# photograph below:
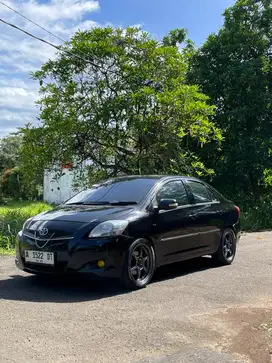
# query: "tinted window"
200,192
173,190
116,190
216,196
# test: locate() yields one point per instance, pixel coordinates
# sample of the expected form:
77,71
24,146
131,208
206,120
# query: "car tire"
139,264
227,249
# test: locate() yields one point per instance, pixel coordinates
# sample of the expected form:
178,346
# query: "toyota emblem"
43,231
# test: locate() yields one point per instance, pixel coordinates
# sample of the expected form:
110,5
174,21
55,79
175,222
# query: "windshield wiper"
76,203
122,202
95,203
114,202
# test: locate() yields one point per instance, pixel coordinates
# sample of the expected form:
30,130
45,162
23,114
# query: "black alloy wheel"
227,249
139,264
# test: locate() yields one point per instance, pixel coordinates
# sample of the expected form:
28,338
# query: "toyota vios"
127,227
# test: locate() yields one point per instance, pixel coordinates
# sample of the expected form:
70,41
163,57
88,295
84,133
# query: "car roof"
155,177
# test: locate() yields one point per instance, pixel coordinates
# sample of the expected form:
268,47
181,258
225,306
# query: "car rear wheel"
139,264
227,249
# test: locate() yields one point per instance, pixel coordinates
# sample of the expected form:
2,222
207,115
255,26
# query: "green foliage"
12,218
9,151
14,183
234,68
11,184
257,217
268,177
175,37
128,109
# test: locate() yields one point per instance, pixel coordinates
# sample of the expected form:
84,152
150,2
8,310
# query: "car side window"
173,190
200,192
214,198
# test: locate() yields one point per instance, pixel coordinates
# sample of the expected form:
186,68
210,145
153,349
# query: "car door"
175,229
206,214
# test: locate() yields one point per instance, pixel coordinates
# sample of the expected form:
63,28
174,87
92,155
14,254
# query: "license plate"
40,257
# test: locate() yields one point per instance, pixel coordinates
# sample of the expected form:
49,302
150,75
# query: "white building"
58,190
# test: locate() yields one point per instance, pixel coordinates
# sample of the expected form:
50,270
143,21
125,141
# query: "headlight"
109,228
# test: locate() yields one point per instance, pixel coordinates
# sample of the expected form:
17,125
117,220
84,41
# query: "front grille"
55,235
51,244
55,230
50,237
60,242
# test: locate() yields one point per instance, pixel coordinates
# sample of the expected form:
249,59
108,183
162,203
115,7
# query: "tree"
9,157
233,68
120,98
13,181
9,151
10,185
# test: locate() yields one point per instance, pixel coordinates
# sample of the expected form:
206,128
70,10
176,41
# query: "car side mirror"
167,204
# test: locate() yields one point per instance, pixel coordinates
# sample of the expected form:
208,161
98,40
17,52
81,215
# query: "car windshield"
116,191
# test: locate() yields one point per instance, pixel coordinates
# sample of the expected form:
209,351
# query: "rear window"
217,196
200,192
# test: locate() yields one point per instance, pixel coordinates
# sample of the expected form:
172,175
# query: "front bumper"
74,256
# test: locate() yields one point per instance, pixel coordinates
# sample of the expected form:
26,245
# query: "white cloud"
7,130
84,25
20,54
10,120
17,82
17,97
10,116
53,10
56,9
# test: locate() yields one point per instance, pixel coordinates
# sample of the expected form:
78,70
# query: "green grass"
7,252
12,217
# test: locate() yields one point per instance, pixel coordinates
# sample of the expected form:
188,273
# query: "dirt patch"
252,340
247,332
244,332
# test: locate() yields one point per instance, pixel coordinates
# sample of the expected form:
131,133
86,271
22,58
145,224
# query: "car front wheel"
139,264
227,249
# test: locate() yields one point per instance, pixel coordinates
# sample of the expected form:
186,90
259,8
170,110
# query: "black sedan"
127,227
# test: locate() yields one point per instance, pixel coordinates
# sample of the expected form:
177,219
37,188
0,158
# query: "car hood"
84,213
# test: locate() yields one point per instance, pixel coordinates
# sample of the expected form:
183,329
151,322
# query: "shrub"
257,217
12,218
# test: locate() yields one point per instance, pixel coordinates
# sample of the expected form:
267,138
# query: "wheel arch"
128,281
153,244
232,227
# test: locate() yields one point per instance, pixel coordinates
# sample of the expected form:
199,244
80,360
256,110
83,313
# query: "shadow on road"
64,290
183,268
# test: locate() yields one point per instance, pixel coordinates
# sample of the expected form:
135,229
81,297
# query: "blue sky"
200,17
19,54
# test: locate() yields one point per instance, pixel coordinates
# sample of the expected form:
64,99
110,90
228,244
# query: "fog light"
101,263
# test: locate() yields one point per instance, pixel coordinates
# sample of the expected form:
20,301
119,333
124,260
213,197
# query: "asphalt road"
191,313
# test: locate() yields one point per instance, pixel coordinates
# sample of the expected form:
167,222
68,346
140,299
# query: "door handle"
193,216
